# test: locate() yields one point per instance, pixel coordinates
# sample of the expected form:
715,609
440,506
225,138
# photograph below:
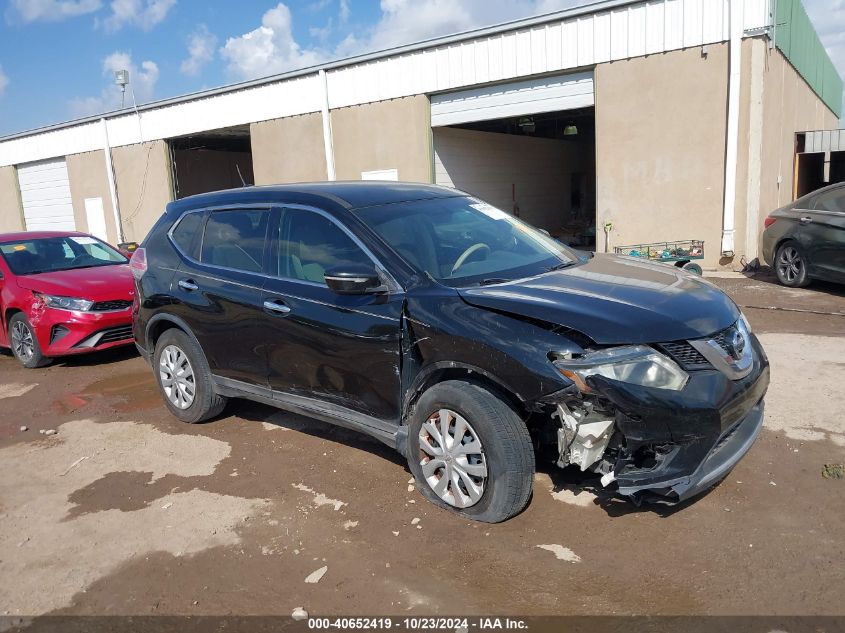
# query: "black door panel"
342,349
223,304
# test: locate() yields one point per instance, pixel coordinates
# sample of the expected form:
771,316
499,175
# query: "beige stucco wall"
288,150
660,148
789,106
394,134
775,103
11,213
142,175
87,175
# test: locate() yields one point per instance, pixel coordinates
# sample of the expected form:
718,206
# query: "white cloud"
201,45
4,81
50,10
142,81
269,49
144,14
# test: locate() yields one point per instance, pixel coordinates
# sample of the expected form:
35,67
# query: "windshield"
50,254
463,241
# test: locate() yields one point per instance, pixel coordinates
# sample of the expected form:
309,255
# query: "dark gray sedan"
805,240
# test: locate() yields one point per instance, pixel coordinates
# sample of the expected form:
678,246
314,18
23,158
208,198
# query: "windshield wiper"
559,266
492,281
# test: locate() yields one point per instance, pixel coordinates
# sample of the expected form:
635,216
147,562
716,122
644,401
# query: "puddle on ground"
135,391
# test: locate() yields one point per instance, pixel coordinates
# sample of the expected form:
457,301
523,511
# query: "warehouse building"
612,124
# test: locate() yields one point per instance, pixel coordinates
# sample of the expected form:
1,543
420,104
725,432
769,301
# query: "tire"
791,265
191,398
693,268
506,452
24,343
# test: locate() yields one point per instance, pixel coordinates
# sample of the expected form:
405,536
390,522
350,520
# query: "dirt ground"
127,511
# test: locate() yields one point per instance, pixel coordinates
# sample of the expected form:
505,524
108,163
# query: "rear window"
235,239
187,232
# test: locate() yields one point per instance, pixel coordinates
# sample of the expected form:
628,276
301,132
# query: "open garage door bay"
527,147
45,196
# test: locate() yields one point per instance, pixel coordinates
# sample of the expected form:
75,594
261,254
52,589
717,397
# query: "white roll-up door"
518,98
45,194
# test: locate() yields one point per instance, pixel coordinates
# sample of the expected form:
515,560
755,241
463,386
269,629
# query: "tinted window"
831,201
29,257
186,233
310,244
463,241
235,239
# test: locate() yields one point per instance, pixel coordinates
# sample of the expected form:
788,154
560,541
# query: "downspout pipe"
112,187
328,141
732,137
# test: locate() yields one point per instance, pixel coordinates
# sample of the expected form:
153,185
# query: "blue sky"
57,56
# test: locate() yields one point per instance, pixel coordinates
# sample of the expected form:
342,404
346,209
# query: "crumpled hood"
616,300
99,283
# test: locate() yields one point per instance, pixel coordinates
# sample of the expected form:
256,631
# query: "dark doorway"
211,161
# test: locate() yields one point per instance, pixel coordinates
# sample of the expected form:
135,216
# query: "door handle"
276,306
805,220
188,284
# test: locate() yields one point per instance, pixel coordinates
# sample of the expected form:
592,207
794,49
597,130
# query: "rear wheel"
470,452
790,266
184,378
24,343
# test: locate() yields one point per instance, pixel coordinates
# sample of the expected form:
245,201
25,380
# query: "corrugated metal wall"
587,39
800,44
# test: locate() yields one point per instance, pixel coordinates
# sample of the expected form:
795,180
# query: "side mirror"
354,280
127,248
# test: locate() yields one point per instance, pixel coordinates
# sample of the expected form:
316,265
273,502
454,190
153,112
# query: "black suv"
453,332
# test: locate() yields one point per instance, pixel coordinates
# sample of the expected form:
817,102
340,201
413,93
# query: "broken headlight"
636,364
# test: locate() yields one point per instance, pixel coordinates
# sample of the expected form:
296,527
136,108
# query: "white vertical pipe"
328,142
110,177
731,140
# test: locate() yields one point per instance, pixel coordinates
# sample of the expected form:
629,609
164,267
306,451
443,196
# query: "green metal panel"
798,41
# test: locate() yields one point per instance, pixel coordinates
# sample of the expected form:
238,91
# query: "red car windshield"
50,254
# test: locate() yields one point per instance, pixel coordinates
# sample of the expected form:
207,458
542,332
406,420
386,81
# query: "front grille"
721,338
111,335
686,355
105,306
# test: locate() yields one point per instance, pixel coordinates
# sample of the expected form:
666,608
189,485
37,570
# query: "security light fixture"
121,78
570,130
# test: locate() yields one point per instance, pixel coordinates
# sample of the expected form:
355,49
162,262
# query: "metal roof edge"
592,7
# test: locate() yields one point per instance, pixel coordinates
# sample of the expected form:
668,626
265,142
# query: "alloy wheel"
177,377
22,342
790,264
452,458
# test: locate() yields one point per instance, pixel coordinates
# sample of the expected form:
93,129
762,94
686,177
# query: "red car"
62,293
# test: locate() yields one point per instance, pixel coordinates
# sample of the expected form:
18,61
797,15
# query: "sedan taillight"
138,263
769,221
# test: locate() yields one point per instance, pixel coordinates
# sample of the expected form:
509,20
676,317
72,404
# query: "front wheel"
470,452
24,343
790,266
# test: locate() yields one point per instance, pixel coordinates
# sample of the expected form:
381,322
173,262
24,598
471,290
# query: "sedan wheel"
22,342
790,266
452,459
177,377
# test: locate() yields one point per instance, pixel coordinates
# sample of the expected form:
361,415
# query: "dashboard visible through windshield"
463,241
53,254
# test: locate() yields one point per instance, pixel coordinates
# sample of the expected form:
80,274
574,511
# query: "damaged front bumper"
666,445
729,449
